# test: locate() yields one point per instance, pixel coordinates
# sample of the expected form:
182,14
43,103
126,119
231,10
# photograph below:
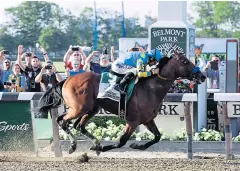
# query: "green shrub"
101,121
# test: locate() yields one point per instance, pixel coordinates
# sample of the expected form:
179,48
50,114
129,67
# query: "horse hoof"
133,146
136,146
98,153
97,148
72,149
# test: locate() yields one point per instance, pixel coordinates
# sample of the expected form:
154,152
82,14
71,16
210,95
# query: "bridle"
192,71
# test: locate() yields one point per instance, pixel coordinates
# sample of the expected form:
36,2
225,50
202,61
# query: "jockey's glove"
154,71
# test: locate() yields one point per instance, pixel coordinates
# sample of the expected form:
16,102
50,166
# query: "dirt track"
113,161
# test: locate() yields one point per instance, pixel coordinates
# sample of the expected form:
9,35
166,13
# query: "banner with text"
167,40
16,127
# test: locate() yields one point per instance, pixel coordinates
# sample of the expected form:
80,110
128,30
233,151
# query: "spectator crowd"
27,73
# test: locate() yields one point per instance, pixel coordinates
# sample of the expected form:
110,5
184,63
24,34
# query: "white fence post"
229,111
56,139
228,133
188,129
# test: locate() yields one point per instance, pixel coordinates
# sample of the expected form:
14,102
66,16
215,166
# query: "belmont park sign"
169,39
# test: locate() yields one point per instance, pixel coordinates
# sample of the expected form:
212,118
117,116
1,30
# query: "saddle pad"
107,87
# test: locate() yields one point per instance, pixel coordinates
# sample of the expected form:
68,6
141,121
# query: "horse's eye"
186,62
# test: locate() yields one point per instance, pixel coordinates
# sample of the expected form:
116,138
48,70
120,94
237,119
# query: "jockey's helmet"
155,54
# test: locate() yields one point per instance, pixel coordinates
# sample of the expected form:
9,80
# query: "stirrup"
122,92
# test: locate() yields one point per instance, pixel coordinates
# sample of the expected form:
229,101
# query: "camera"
135,49
75,48
28,54
7,83
214,65
48,67
5,52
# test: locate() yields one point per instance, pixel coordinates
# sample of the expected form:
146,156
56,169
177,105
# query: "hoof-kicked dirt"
116,161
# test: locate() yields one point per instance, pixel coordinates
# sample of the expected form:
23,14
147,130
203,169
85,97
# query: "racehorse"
80,92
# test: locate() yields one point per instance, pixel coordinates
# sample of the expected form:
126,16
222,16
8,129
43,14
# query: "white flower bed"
113,132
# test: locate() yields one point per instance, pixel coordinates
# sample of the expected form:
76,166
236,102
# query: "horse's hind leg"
65,126
81,123
151,126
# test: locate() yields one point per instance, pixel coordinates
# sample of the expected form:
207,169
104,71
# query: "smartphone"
75,48
5,52
214,65
28,54
7,83
48,67
135,49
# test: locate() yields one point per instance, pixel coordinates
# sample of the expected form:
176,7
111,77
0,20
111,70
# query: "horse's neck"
163,86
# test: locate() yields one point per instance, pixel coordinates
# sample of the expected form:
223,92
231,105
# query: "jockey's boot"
125,81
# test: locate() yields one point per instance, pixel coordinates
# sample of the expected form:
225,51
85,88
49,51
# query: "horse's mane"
163,62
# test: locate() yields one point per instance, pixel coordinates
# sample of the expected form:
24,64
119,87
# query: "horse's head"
178,66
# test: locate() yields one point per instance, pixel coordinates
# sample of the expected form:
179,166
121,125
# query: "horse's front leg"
151,126
123,139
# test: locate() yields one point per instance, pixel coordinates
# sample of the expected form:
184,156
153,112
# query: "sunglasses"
76,64
7,62
215,60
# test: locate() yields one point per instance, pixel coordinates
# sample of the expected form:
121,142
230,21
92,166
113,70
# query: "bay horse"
80,92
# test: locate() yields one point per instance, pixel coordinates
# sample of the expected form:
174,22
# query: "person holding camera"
30,71
16,82
104,64
212,69
48,76
6,70
74,52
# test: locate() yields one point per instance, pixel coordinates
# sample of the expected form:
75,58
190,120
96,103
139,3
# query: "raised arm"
112,53
84,57
89,58
67,55
58,76
44,52
38,78
19,58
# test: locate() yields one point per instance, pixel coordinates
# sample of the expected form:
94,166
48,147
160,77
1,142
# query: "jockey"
134,64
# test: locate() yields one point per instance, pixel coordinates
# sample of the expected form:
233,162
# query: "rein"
168,79
163,78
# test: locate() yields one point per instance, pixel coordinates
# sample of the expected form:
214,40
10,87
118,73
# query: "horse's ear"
137,45
145,47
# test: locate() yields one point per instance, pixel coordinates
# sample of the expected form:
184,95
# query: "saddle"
109,89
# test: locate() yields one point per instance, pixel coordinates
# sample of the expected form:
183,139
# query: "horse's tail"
52,98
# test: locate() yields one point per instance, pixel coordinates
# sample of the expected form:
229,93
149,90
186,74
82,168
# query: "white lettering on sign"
170,108
4,126
233,109
168,32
